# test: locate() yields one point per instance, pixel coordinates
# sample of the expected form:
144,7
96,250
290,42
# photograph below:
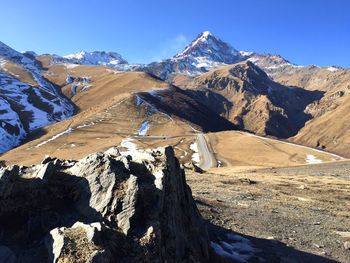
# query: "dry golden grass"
19,73
108,112
239,150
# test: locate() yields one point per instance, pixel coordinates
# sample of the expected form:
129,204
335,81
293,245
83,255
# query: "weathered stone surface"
80,237
6,255
103,208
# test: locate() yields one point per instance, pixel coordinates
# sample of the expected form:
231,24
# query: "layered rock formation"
103,208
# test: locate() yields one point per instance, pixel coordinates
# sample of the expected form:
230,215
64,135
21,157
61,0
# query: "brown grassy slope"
329,128
107,114
109,83
239,151
17,71
259,104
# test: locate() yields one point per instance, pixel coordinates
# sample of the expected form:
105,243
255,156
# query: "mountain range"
209,84
263,142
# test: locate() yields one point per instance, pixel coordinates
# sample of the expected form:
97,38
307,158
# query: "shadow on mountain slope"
192,106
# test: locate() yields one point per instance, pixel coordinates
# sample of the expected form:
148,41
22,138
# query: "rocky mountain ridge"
27,100
258,104
204,53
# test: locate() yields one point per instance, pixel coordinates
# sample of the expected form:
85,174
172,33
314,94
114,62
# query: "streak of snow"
86,125
69,130
86,88
143,128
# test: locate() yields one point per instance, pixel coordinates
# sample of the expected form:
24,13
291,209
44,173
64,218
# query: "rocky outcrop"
103,208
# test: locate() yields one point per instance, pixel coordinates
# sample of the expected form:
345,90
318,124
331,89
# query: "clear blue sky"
303,31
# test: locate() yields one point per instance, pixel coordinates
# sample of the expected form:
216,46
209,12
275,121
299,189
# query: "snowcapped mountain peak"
96,58
208,46
204,53
204,35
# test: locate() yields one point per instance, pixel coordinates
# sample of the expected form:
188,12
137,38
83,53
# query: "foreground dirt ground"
294,214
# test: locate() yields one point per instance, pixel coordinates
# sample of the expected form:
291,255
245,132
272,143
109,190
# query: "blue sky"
303,31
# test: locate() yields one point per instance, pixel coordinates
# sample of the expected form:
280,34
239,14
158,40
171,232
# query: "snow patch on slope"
332,69
312,159
195,155
69,130
31,106
143,128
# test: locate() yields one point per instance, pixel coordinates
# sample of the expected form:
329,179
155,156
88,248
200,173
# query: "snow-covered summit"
204,53
102,58
211,48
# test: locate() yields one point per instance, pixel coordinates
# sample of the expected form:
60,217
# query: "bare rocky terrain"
292,214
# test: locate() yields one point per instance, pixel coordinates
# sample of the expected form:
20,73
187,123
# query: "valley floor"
294,214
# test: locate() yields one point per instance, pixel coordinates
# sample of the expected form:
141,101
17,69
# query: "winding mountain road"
206,157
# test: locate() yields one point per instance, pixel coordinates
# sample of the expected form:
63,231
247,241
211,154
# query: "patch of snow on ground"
195,155
2,63
73,89
69,79
332,69
143,128
54,137
236,248
312,159
128,144
245,53
130,148
70,65
219,164
86,88
85,125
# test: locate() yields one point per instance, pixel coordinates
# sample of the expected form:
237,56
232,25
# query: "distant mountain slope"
207,52
259,104
122,108
291,100
27,100
96,58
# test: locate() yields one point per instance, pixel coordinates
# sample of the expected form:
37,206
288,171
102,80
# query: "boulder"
105,207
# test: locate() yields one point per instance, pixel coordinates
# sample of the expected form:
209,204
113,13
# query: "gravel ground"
294,214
